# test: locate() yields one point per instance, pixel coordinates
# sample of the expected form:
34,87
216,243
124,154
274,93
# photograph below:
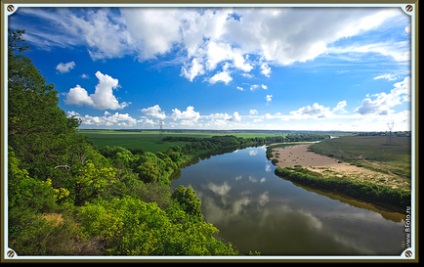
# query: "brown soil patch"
55,218
290,156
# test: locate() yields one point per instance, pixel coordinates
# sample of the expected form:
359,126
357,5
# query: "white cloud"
154,112
408,29
253,87
78,96
262,30
116,119
223,76
148,122
316,111
224,116
383,103
265,69
153,31
264,87
65,67
72,113
398,51
192,70
218,52
187,117
253,112
205,38
386,76
240,88
340,106
268,98
247,75
84,76
102,98
236,116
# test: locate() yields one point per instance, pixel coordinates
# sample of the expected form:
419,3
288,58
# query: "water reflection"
255,210
268,167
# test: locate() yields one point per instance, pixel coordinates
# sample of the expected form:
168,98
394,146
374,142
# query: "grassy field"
150,140
371,152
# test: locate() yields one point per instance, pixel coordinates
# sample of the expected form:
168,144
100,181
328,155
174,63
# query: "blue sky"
282,68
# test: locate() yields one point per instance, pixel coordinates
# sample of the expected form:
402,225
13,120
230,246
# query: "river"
257,211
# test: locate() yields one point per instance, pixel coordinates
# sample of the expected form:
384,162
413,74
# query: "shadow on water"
386,213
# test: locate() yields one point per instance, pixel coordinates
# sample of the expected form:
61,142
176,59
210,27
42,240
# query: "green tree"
38,134
187,198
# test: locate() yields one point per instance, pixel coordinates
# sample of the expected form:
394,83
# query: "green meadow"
372,152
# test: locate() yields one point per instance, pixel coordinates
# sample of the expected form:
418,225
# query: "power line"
389,134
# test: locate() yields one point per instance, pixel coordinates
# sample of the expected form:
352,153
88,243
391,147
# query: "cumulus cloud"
108,119
240,88
386,76
253,112
383,103
340,106
154,112
223,76
265,69
84,76
190,71
72,113
187,117
268,98
316,111
209,37
264,87
218,52
236,116
65,67
102,98
253,87
153,31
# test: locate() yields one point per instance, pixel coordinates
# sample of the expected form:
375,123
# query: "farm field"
151,140
371,152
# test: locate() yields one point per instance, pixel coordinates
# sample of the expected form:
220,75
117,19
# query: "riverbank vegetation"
379,194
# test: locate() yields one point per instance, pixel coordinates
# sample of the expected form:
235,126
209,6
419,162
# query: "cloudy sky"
316,68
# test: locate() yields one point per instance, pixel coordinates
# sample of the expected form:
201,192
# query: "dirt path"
290,156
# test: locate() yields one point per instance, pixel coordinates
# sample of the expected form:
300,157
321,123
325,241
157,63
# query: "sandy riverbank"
290,156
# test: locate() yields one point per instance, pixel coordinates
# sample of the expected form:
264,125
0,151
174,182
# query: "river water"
257,211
